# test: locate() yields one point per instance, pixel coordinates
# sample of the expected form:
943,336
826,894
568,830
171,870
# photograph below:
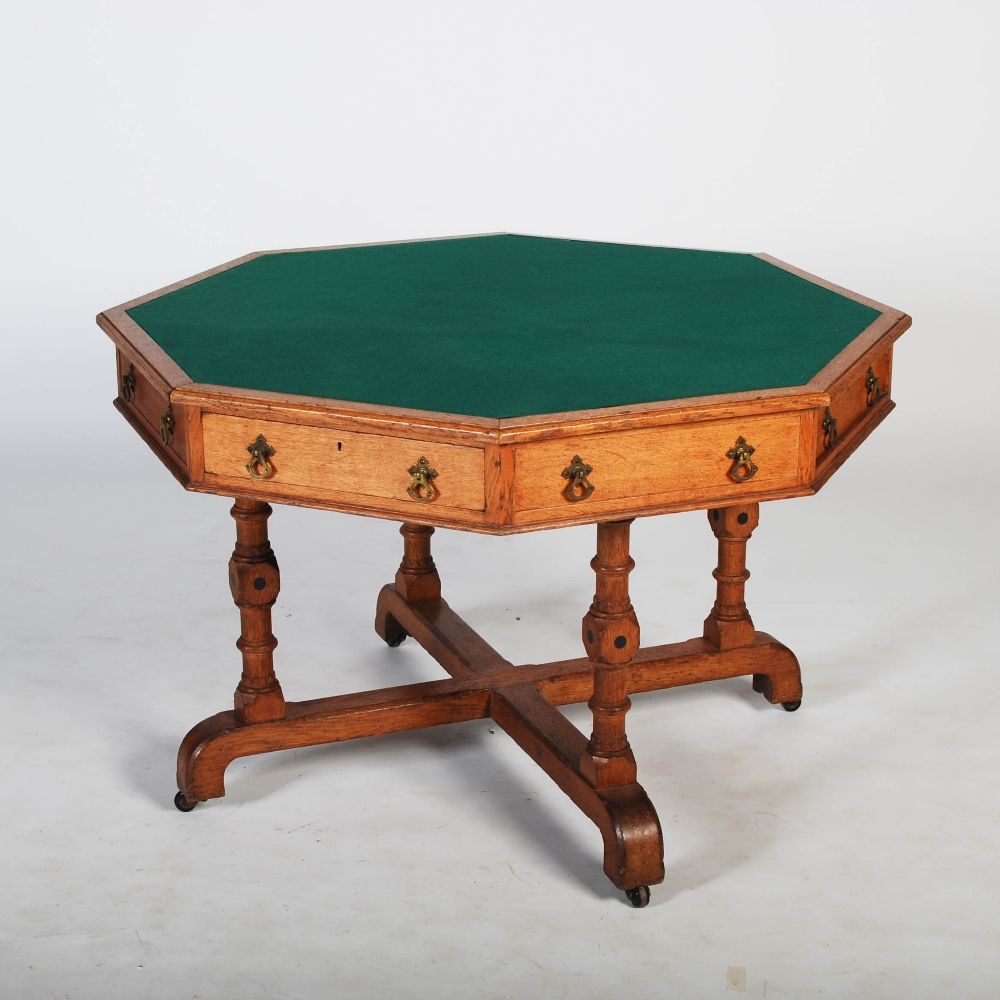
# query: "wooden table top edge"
287,407
162,369
823,283
154,362
870,344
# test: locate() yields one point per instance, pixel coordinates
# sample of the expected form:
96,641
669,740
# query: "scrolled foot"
791,706
782,684
184,803
387,627
394,632
639,896
633,839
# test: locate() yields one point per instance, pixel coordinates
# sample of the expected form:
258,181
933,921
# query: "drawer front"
343,462
661,462
151,407
854,397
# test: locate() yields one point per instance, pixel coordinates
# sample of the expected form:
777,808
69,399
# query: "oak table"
500,384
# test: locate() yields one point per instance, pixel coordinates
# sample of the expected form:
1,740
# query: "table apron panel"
366,465
663,462
850,399
148,404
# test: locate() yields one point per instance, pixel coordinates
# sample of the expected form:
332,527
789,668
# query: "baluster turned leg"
253,579
611,638
417,578
729,625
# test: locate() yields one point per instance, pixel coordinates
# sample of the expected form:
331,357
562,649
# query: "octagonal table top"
504,326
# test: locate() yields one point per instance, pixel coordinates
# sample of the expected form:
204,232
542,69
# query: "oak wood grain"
658,462
367,465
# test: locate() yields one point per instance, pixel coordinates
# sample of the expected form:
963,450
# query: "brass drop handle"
579,486
167,425
743,467
421,488
259,465
829,429
128,384
873,387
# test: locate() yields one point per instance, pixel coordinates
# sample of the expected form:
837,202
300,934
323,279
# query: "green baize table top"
503,326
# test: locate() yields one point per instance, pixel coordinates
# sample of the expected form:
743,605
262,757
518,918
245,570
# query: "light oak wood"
611,637
520,699
832,459
148,403
729,625
677,459
417,577
254,581
141,350
365,465
849,398
314,411
502,476
222,739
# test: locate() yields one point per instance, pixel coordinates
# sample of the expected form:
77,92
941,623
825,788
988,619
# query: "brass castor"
791,706
184,803
639,896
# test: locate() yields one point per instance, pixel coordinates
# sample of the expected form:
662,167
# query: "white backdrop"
144,143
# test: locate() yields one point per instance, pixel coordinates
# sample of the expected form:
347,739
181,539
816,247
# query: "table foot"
633,840
781,684
211,746
388,629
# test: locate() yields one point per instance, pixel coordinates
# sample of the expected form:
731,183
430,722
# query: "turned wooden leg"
417,577
416,580
611,638
253,579
729,625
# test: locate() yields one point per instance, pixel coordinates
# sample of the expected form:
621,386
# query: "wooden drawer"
660,462
343,463
149,405
853,398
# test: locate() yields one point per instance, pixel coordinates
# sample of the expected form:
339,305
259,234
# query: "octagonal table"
501,384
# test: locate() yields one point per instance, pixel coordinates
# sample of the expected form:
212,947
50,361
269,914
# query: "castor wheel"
184,803
639,896
390,631
791,706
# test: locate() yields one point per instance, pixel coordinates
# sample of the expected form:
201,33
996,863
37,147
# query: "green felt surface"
503,326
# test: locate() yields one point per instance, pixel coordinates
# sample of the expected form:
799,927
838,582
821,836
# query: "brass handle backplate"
873,387
259,465
579,486
743,468
167,425
421,488
829,429
128,384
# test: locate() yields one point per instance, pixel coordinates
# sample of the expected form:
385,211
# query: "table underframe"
598,774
